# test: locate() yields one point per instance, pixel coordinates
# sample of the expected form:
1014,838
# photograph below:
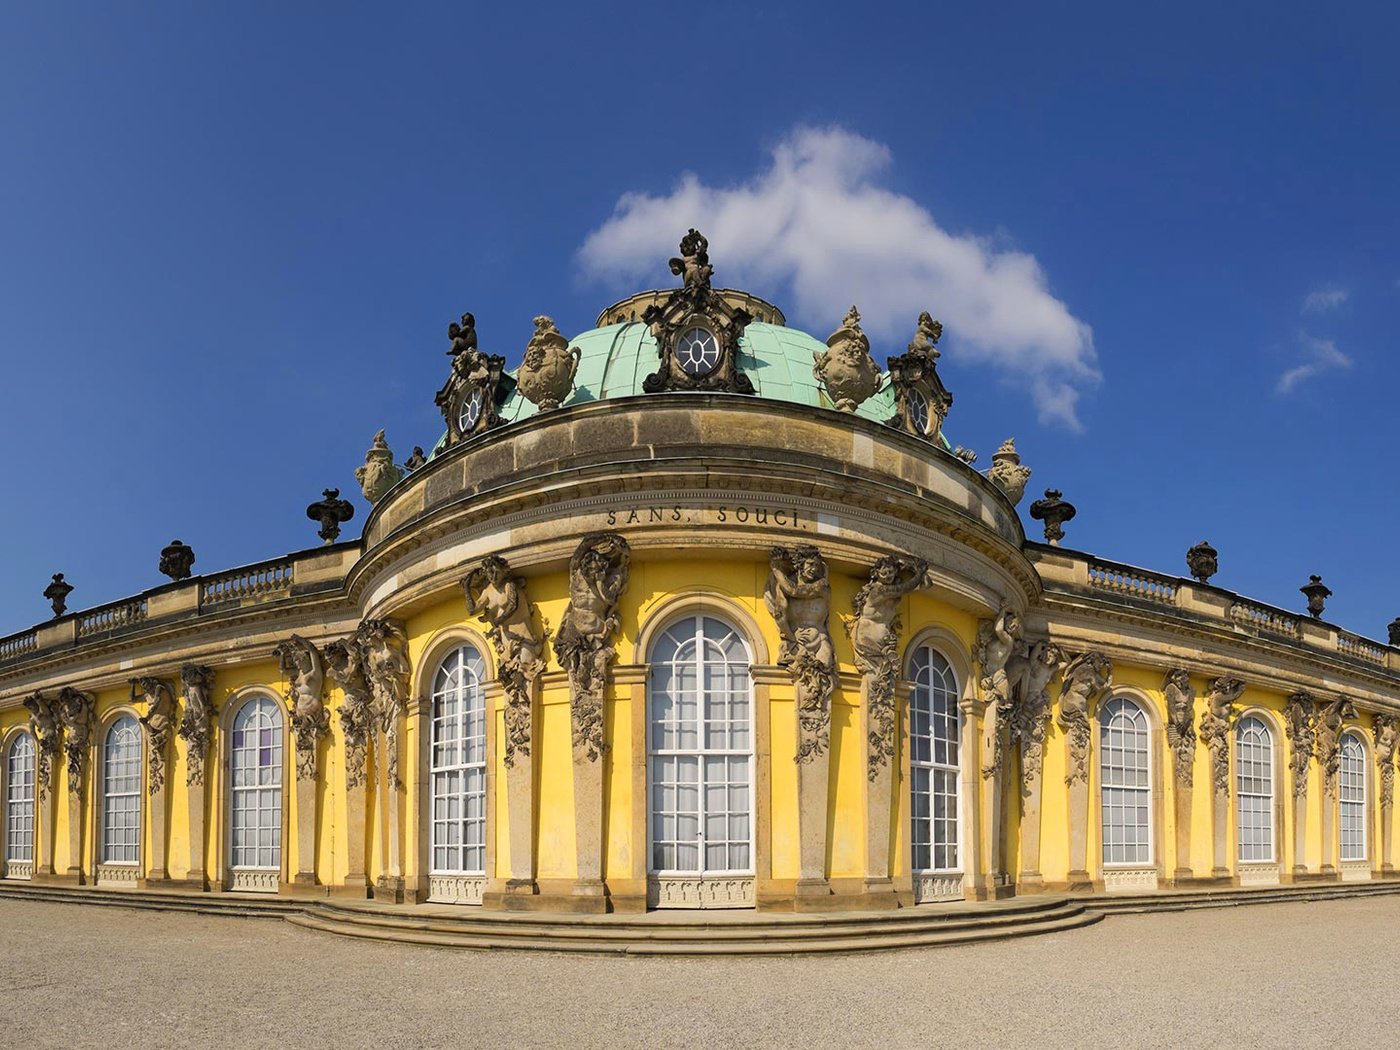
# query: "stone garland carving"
1300,715
847,370
1181,727
301,662
598,574
159,721
997,642
921,400
874,631
798,597
1387,730
385,647
1007,472
500,599
468,399
1215,728
1030,676
76,710
546,376
1329,740
711,361
380,473
345,663
1087,677
44,725
197,720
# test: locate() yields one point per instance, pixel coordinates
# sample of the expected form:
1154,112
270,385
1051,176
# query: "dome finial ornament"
1008,473
847,370
922,402
546,376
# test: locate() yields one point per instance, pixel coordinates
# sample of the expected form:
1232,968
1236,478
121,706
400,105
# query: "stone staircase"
1231,897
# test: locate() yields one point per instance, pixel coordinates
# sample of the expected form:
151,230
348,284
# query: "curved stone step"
1190,900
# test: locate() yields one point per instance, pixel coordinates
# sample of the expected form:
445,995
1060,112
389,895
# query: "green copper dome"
615,359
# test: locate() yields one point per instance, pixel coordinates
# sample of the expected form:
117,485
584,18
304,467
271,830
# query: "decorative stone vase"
847,370
547,375
380,473
1007,473
1202,561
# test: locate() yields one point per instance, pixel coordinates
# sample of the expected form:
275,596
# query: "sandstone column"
196,729
972,710
1181,738
76,791
197,875
879,718
1032,777
159,870
1086,678
1387,734
1300,715
76,711
384,648
992,755
1215,731
520,788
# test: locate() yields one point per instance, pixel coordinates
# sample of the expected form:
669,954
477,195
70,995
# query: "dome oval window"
918,411
697,350
471,411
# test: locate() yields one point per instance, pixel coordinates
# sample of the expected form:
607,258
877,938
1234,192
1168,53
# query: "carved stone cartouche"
331,512
380,473
345,663
76,710
1202,561
1087,677
598,574
1215,728
798,597
500,599
921,400
177,560
301,662
46,729
1007,473
1054,511
847,370
57,593
159,721
1181,727
197,720
385,648
546,376
874,631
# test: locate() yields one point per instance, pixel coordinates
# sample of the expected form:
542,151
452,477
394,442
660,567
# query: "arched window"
935,773
700,714
1125,769
121,792
458,764
256,786
1352,797
1254,789
19,801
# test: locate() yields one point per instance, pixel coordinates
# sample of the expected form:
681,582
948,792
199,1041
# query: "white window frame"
19,800
121,792
953,743
1255,733
1352,782
265,710
1106,713
698,639
469,739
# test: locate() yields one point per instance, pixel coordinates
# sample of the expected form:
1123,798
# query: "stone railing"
1135,583
18,644
256,581
1251,615
1361,648
108,617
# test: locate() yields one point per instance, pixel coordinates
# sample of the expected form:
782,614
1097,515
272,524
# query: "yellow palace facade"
693,611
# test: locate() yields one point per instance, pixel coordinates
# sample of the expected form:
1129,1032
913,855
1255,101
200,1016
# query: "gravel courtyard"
1305,974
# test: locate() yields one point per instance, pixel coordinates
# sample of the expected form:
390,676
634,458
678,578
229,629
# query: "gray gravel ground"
1283,975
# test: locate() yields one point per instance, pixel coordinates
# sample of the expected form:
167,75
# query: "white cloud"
1319,355
817,222
1320,300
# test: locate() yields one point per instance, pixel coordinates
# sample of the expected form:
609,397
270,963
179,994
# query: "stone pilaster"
1183,796
992,761
588,890
197,876
158,806
879,792
521,805
968,748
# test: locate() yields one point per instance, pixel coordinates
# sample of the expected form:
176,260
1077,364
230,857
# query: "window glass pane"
1125,783
935,777
457,771
256,796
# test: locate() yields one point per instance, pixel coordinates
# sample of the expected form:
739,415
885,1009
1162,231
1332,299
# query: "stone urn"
380,473
547,374
1007,473
847,370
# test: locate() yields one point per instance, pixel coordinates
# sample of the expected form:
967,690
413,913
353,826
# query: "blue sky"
1166,243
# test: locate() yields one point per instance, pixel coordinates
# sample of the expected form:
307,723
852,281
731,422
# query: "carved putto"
45,727
470,398
1087,677
345,663
499,598
1300,715
332,512
159,721
1181,728
546,376
874,631
1007,473
1215,728
385,648
1387,730
921,400
598,574
696,330
380,473
57,593
798,597
301,662
197,721
177,560
847,370
76,710
416,460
